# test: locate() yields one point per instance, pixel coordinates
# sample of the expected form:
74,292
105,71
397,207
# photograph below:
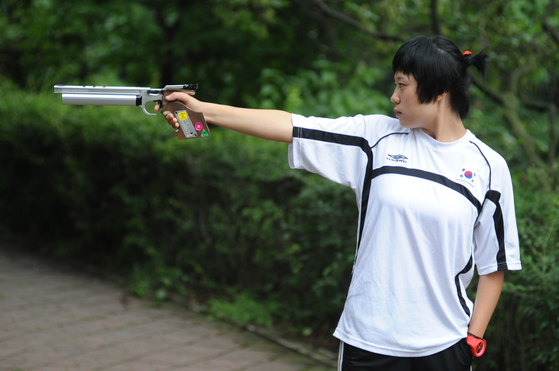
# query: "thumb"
180,96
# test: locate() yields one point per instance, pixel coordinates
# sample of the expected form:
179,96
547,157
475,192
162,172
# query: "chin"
410,124
406,124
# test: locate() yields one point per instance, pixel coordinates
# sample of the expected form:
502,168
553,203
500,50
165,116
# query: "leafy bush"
244,310
111,186
524,330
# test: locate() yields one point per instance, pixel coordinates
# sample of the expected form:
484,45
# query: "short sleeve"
496,233
337,149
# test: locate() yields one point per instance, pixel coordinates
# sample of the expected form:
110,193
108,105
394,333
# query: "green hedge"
112,187
524,331
226,216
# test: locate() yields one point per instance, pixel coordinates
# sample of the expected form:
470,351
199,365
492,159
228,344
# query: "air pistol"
192,124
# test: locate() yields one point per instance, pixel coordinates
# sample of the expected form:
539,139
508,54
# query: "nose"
395,98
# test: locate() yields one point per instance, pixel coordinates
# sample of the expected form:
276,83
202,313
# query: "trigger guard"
143,106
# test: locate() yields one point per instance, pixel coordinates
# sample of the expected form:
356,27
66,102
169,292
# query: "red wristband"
477,344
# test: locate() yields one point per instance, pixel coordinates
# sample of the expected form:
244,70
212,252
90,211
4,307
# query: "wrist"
477,344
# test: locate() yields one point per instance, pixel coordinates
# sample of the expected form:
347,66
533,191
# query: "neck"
447,126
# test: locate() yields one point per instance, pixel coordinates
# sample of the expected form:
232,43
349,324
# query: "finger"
168,116
172,120
172,97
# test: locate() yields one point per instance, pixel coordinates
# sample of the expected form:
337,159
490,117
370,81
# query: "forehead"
399,76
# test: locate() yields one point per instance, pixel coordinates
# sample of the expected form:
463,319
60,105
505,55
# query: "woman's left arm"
488,293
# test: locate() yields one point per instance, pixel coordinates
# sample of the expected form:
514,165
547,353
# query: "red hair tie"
467,54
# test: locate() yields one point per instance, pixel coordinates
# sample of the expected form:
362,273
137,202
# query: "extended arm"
488,293
272,125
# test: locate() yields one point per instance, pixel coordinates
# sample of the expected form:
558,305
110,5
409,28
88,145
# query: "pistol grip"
191,124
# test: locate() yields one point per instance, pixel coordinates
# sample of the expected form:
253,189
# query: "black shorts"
456,358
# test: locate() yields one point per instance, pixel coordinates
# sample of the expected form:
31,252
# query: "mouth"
398,113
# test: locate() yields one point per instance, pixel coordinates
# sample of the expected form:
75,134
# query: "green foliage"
253,16
524,330
327,90
111,186
157,280
244,310
151,44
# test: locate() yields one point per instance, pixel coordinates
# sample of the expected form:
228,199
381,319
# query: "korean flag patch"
467,175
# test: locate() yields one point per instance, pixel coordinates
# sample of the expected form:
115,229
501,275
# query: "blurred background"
223,222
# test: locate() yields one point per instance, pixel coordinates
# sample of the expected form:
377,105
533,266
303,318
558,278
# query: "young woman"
434,202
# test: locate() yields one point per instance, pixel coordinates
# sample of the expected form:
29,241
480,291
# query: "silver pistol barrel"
100,95
101,99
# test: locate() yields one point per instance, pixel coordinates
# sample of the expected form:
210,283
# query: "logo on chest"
467,175
397,158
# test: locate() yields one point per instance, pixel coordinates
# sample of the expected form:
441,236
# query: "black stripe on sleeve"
498,222
432,177
347,140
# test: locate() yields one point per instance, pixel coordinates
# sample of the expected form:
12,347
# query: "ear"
441,97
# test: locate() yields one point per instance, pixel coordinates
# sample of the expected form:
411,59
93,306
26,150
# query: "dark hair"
438,66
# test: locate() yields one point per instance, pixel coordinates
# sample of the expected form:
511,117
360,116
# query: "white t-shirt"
428,212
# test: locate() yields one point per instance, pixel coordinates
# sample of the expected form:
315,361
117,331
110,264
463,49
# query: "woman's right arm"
272,125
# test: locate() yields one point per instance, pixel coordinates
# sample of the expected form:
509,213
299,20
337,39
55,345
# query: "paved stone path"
54,319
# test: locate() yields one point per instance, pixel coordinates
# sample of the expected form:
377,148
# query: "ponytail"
479,61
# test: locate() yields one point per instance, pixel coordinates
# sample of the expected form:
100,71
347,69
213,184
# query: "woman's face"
409,110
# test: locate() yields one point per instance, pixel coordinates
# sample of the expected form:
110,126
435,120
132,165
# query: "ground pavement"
54,318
